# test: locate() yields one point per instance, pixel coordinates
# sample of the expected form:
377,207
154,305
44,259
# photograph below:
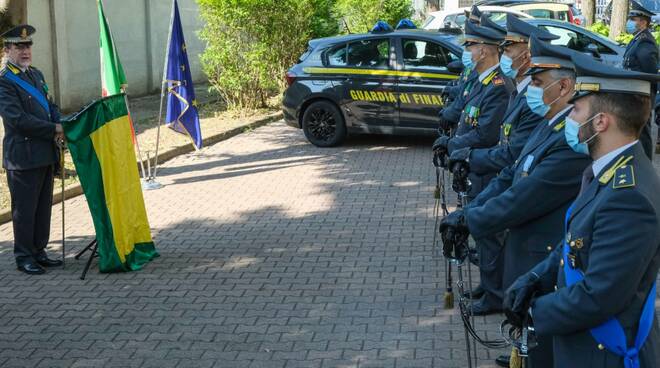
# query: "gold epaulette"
559,126
620,163
489,78
13,69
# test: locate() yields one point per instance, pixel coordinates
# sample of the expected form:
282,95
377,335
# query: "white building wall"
66,45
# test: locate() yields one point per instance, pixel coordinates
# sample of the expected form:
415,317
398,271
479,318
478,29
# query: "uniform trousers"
31,205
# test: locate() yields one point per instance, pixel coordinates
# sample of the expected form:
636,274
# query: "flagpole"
137,143
162,97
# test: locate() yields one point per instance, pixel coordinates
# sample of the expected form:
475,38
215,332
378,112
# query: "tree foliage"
623,38
361,15
252,43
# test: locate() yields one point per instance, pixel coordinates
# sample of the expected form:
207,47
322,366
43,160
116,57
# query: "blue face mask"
572,131
631,27
466,59
506,64
535,99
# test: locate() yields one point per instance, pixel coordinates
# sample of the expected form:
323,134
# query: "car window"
576,41
540,13
337,56
373,53
428,21
498,16
561,15
422,54
460,20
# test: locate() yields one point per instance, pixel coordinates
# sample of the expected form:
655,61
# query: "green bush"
325,20
361,15
623,38
250,45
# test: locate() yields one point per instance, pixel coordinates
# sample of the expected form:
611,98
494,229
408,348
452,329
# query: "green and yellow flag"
99,139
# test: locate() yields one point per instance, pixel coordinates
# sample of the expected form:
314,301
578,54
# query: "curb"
75,190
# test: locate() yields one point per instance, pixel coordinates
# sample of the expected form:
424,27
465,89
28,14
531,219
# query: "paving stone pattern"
274,253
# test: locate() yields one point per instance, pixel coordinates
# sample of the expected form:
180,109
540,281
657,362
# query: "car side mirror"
455,67
593,50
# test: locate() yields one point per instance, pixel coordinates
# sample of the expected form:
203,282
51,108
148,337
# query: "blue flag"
182,113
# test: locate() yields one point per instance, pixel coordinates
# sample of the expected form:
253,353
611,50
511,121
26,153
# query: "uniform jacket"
452,112
529,198
614,230
517,125
480,120
29,131
642,53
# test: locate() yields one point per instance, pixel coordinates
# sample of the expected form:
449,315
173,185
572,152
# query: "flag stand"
151,183
93,247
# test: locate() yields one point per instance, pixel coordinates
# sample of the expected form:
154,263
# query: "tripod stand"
92,247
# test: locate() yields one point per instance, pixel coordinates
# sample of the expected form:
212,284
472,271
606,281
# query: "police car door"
423,76
369,101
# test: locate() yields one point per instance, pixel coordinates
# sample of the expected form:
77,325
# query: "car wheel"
323,124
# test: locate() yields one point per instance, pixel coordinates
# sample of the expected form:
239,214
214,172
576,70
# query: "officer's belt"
30,90
610,334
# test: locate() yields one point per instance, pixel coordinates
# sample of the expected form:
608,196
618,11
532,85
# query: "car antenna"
346,26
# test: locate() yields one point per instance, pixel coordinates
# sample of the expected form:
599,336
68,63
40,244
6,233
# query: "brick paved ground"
274,253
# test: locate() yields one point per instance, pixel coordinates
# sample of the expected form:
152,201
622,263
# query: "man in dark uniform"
530,197
642,56
485,106
600,312
451,113
518,123
31,123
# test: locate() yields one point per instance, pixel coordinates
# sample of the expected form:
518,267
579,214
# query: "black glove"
518,298
441,143
455,232
460,170
439,159
460,155
445,125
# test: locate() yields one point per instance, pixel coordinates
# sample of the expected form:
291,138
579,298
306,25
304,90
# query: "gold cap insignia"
24,33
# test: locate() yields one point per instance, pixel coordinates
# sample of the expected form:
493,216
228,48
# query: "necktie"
587,177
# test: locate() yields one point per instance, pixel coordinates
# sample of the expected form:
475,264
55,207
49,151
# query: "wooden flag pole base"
93,246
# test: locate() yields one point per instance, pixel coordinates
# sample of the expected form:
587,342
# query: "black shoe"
481,308
477,293
31,269
47,262
503,361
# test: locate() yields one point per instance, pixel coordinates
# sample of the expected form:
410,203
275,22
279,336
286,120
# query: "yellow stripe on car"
383,72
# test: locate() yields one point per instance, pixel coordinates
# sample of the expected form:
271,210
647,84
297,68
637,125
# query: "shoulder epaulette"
559,126
624,177
607,175
13,69
489,78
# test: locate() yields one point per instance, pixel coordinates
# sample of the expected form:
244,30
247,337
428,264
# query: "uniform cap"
517,30
546,56
19,34
594,77
478,34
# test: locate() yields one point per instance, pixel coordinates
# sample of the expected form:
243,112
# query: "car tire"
323,124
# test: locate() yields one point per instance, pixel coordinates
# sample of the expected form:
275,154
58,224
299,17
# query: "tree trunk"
619,17
432,5
589,12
